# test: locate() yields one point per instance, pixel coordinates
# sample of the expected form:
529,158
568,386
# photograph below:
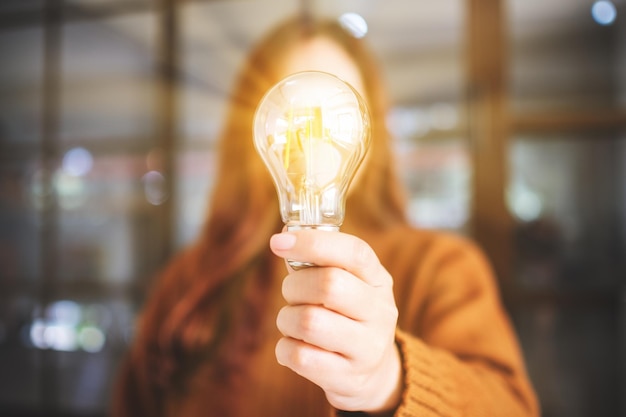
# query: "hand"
340,319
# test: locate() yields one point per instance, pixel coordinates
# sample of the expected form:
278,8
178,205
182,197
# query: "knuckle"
361,253
294,354
388,315
377,348
330,284
393,313
385,280
301,359
310,321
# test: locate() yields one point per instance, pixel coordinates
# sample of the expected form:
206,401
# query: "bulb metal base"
297,265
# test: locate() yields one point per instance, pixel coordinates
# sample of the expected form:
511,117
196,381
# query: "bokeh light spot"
77,161
354,23
91,339
604,12
154,188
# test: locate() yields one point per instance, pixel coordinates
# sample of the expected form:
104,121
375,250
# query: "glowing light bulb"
312,130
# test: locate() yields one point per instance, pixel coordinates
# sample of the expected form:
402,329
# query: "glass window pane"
21,198
422,55
21,54
59,356
561,58
195,176
216,37
90,335
12,6
20,378
572,353
108,89
109,224
567,194
437,175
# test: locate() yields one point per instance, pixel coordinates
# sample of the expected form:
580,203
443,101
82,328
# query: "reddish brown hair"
202,303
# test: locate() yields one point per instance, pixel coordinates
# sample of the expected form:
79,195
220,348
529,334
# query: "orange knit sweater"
459,353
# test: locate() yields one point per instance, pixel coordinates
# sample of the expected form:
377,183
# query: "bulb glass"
312,131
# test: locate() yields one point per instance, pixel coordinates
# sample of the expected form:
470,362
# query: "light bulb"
312,131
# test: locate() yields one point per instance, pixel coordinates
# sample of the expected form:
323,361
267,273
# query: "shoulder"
421,247
436,273
453,256
427,262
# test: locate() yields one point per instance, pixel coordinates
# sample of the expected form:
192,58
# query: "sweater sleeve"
461,356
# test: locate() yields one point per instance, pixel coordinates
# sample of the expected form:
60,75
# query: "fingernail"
283,241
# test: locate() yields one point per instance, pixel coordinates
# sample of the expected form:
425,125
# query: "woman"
392,321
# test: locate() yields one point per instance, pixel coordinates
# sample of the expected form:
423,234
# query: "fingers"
313,363
333,288
334,310
324,248
322,328
346,386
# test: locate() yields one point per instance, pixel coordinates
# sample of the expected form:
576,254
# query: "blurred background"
509,122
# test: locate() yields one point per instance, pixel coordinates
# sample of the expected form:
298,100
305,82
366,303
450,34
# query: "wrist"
391,396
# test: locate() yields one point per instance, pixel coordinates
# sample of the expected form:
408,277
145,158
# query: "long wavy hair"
210,300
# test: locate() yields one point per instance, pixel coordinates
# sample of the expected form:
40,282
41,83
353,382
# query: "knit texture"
460,356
